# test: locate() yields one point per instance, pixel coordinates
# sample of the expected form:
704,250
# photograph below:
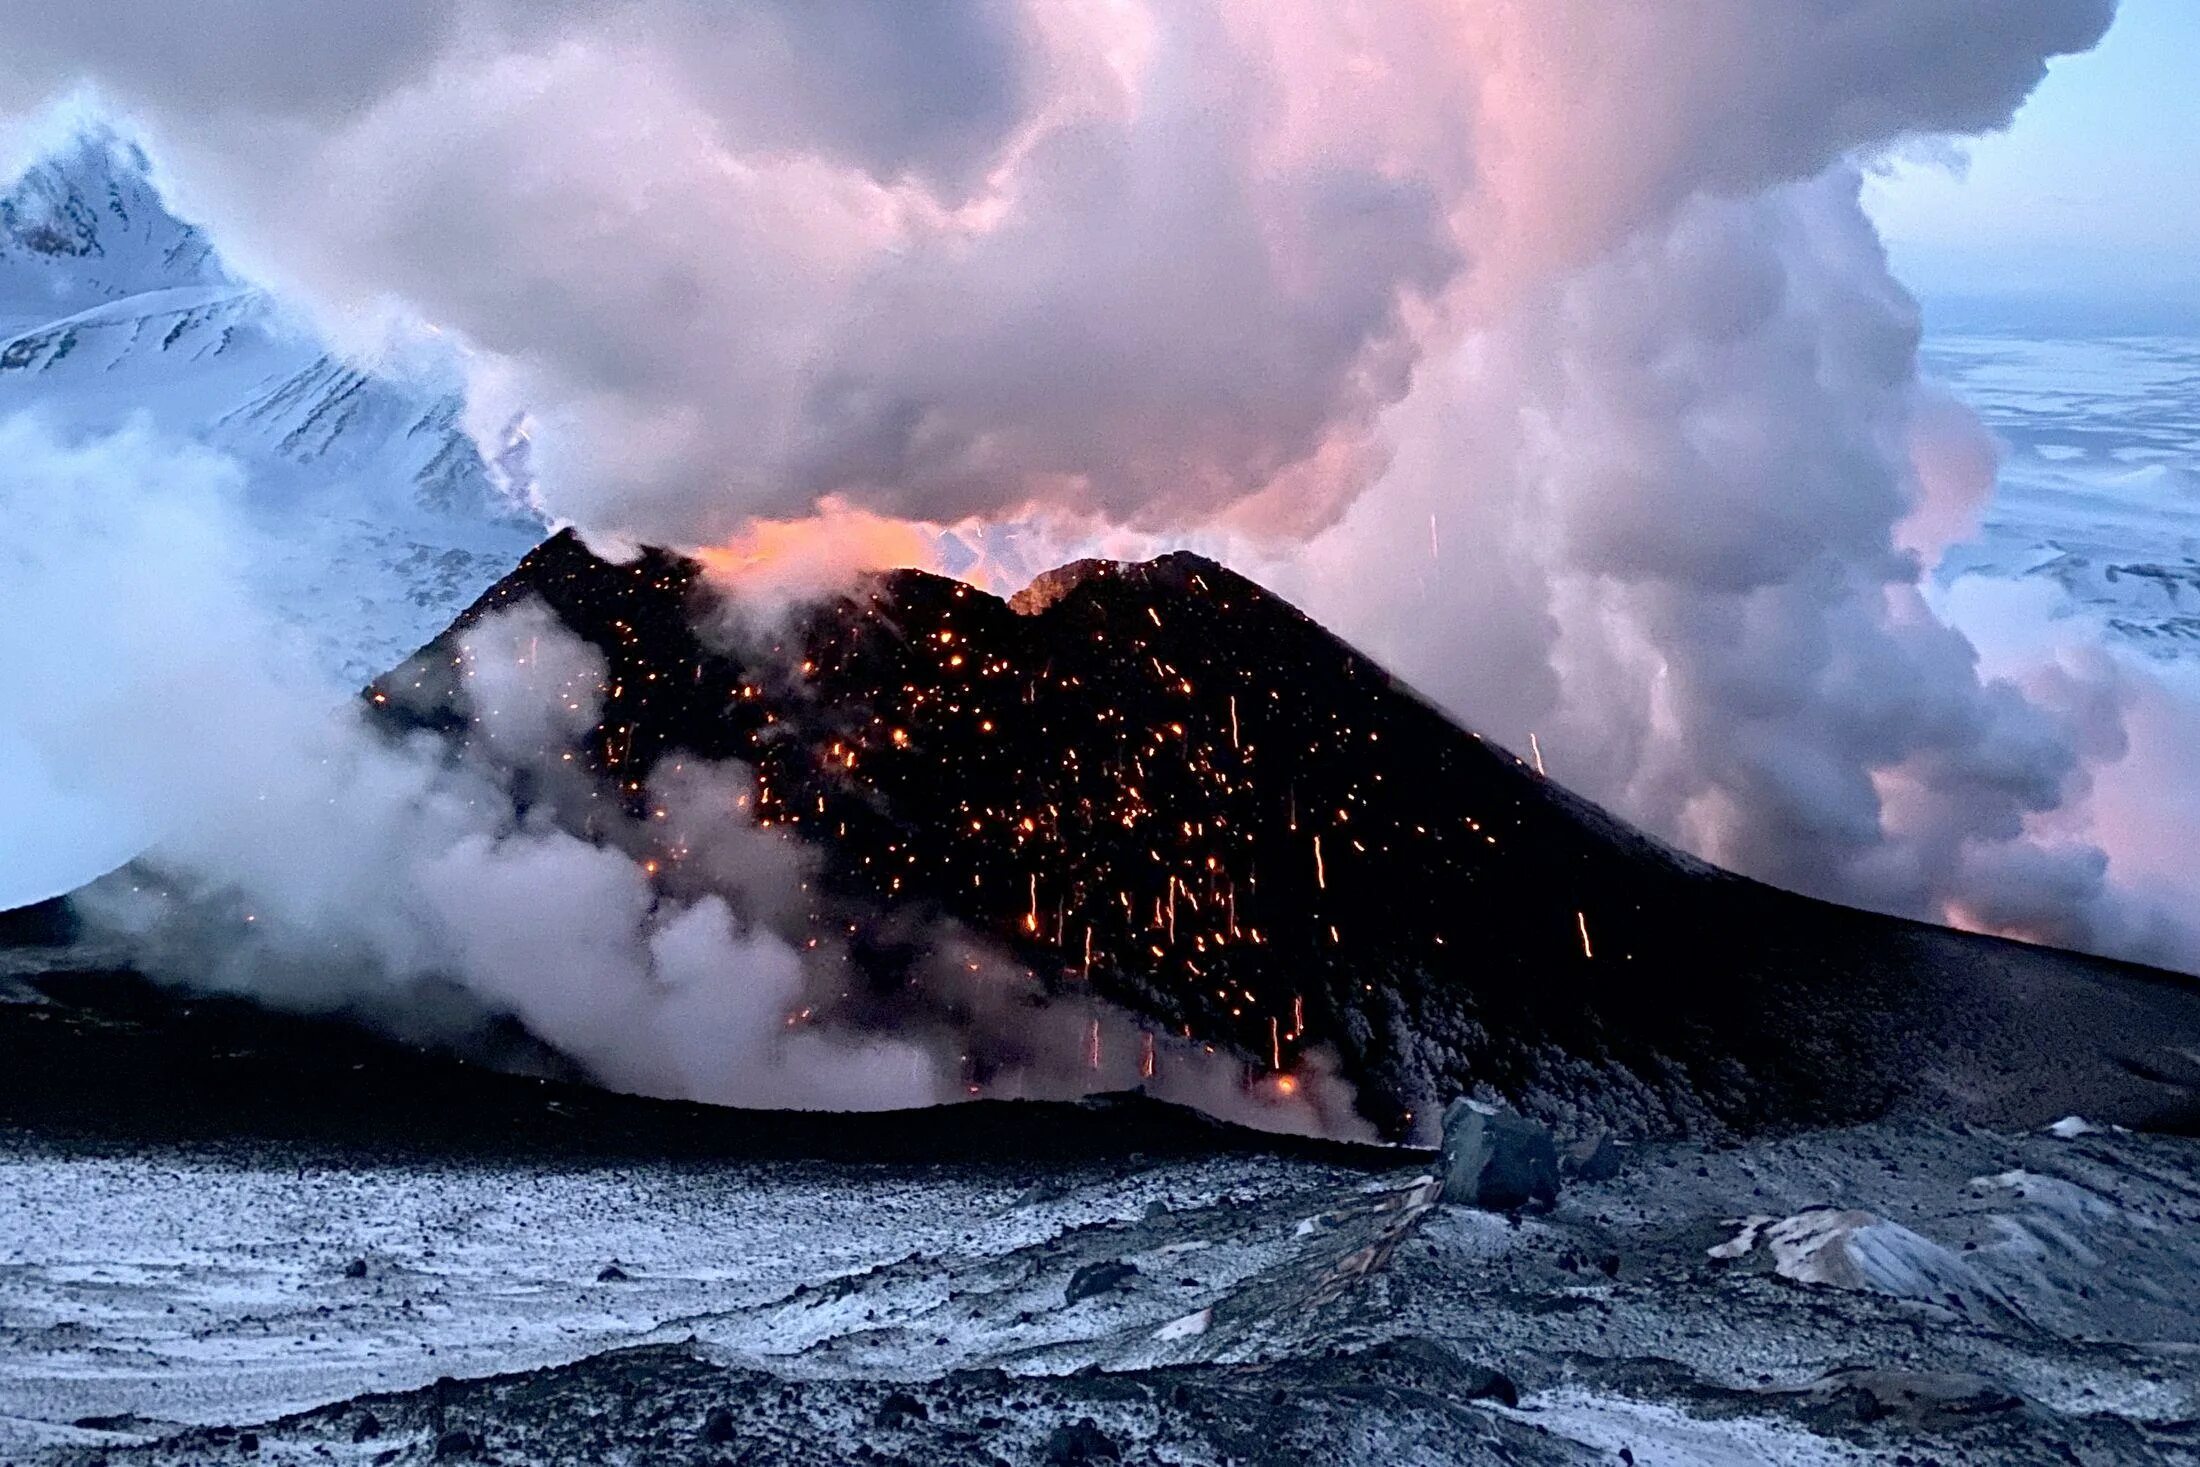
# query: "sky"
2090,200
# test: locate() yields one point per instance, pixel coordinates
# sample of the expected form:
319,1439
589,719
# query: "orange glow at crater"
785,560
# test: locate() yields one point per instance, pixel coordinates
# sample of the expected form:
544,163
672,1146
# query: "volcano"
1161,784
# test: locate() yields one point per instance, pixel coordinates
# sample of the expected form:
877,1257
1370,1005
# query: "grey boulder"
1497,1161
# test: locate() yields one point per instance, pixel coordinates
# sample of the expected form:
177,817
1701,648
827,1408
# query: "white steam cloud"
1677,508
1150,262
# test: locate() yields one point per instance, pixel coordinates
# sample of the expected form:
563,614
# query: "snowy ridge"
86,226
378,517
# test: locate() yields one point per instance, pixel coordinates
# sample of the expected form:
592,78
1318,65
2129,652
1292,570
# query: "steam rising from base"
309,857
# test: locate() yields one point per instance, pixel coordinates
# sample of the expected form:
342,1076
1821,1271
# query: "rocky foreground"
232,1235
228,1234
1880,1293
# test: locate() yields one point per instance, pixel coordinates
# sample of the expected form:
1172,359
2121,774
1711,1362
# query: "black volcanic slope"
110,1061
1162,781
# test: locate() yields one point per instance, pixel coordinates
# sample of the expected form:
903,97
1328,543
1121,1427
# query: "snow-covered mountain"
87,227
379,516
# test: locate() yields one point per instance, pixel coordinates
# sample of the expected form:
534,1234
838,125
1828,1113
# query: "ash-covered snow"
175,1298
1849,1248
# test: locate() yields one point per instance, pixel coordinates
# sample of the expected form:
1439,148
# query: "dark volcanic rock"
110,1057
1595,1161
1912,1398
458,1442
127,1421
1095,1279
1164,782
41,924
1497,1161
1406,1402
1079,1443
1463,1380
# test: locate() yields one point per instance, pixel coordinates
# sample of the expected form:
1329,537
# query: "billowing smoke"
1154,263
1542,345
1677,508
289,847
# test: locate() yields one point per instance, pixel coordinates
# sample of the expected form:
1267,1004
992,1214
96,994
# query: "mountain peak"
87,224
1174,570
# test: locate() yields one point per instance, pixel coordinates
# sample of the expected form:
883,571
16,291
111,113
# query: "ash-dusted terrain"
1960,1296
231,1236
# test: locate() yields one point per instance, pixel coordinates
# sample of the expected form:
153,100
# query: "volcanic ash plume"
1156,263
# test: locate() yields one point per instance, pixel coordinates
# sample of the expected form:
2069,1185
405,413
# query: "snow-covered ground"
207,1288
1948,1293
2098,510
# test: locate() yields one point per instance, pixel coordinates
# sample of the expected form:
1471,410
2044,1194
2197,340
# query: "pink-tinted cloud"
1150,262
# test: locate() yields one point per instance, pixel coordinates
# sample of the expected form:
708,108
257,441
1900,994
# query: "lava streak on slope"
1165,783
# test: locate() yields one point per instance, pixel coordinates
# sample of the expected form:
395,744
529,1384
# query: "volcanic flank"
1163,784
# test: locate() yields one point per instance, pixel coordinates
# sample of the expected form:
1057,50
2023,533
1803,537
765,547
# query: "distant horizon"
2052,314
2078,218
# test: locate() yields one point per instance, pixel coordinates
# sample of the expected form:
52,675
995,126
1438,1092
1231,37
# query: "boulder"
1595,1161
899,1409
1098,1278
1425,1362
1497,1160
1080,1444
